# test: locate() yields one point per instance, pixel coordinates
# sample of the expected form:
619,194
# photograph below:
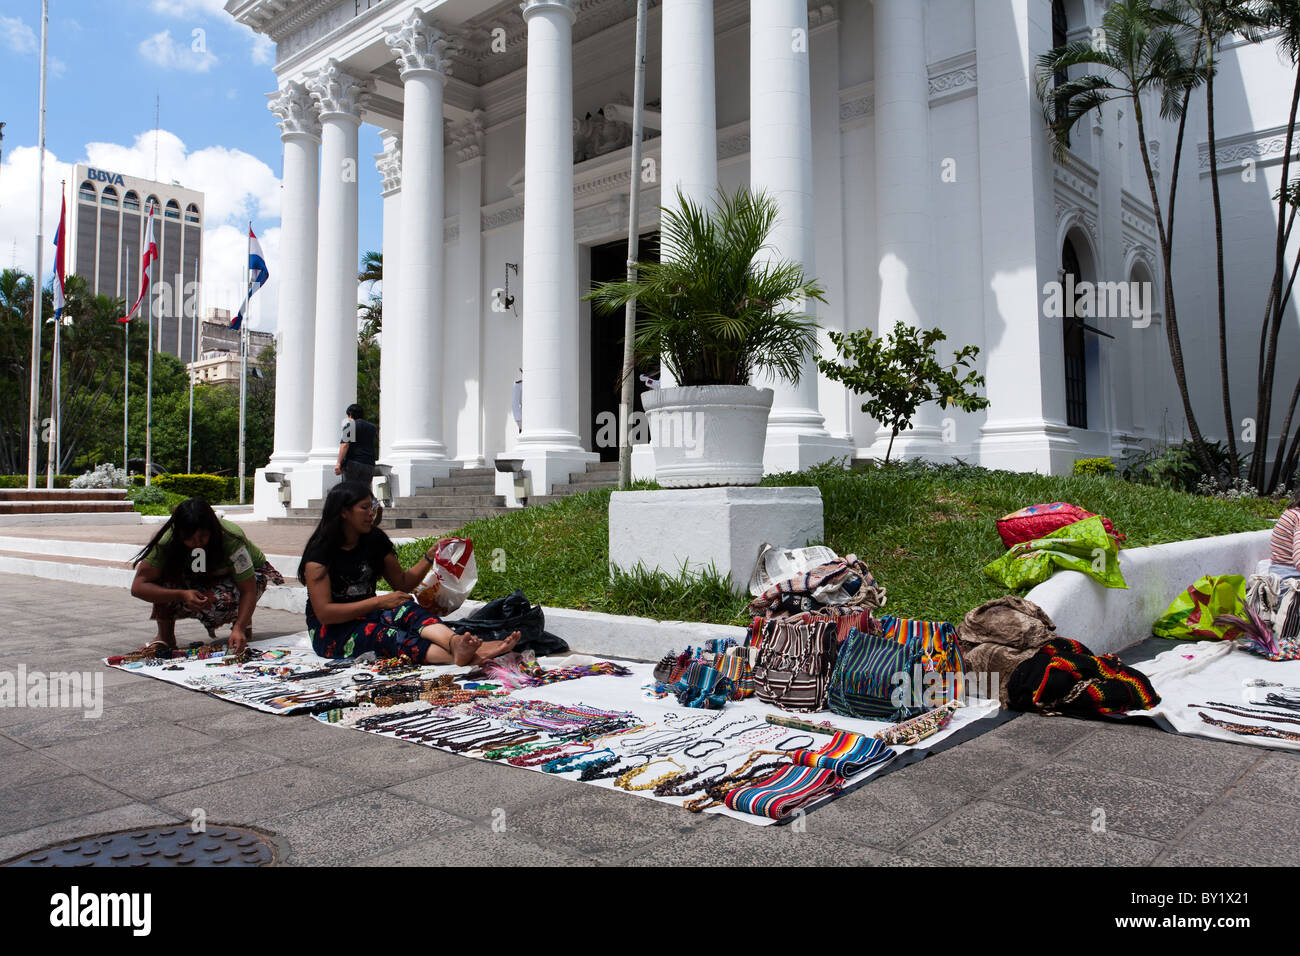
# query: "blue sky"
108,61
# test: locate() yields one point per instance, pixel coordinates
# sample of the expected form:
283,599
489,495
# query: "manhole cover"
158,846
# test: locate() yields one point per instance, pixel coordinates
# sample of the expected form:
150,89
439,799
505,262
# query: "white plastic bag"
776,565
452,577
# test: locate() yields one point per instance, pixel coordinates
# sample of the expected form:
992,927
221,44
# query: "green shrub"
1177,467
211,488
137,481
232,489
150,495
20,481
1094,466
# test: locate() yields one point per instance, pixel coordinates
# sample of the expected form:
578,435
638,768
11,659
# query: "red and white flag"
59,243
147,257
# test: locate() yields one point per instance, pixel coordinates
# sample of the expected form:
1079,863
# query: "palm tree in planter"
716,309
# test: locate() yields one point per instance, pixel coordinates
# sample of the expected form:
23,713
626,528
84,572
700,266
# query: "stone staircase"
466,495
41,502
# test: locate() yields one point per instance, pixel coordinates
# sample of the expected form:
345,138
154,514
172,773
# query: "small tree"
901,373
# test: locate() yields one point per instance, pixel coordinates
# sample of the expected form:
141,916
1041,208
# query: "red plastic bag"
452,577
1036,521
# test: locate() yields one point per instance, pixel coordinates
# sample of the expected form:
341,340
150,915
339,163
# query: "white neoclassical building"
904,143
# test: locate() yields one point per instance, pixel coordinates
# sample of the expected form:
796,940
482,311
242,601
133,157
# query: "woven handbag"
703,686
794,664
888,676
733,665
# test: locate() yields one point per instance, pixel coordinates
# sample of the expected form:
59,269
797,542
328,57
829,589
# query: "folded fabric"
1000,635
1065,677
1083,546
844,581
785,791
848,754
1036,521
1190,617
703,687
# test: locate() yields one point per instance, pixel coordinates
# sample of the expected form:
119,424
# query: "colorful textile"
703,686
1285,543
1271,625
223,595
940,649
844,581
784,792
1038,521
847,754
388,633
868,676
1081,546
793,664
1191,616
1065,677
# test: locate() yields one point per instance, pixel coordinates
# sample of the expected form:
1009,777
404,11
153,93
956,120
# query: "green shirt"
242,556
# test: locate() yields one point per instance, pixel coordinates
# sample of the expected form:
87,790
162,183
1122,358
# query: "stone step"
450,501
62,494
64,507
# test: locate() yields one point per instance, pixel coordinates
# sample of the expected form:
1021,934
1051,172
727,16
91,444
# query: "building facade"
108,227
218,361
903,140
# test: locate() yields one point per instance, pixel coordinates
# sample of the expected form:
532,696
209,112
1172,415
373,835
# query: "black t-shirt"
353,572
363,441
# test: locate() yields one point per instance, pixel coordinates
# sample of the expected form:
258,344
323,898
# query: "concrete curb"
1108,620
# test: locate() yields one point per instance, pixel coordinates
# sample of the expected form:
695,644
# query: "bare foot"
491,649
465,649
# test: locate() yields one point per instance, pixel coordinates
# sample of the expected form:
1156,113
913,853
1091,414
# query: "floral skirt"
387,633
222,593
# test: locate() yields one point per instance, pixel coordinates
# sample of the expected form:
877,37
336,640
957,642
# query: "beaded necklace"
1250,731
545,755
605,768
1252,712
571,762
625,781
673,719
744,774
676,786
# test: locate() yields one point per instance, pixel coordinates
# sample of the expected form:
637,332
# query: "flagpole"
148,387
243,359
55,450
38,301
126,376
194,344
627,397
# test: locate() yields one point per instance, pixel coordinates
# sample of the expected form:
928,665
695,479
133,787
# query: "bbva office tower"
902,139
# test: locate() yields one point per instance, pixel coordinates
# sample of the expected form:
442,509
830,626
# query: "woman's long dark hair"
328,535
191,515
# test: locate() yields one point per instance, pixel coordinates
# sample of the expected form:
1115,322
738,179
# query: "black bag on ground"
496,620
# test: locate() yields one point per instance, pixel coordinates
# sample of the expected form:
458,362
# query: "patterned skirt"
222,592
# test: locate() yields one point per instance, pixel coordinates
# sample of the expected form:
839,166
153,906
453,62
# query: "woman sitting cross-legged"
343,559
204,567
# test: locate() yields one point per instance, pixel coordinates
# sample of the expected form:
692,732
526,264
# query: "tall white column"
418,453
339,94
1024,430
904,179
780,158
549,443
463,370
688,157
299,124
389,164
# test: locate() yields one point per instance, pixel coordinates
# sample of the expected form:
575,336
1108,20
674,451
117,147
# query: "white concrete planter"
708,435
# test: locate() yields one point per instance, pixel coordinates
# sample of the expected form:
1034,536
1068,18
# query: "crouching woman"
344,558
204,567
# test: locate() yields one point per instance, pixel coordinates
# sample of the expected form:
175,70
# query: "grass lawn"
926,533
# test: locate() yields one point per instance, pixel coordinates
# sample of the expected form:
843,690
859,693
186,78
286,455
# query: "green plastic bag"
1083,546
1191,616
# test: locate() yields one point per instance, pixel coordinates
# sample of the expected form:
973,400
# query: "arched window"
109,196
191,213
173,210
131,201
151,203
87,192
1076,362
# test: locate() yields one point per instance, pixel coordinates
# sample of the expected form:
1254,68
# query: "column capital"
467,137
420,46
338,92
533,7
295,110
389,163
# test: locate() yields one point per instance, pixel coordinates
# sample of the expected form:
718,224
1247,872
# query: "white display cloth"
248,684
1196,673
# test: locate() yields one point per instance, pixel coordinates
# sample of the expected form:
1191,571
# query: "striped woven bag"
866,677
794,664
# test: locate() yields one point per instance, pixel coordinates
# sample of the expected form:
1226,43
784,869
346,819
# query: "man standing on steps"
358,447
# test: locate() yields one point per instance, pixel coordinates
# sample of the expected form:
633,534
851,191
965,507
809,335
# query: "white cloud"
17,36
189,8
237,187
263,52
162,51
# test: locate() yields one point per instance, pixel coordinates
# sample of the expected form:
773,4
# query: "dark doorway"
609,262
1076,362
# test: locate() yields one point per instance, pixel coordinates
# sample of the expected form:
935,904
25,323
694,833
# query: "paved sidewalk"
1030,792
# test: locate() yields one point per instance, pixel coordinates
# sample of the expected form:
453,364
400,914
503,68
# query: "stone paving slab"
1020,794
